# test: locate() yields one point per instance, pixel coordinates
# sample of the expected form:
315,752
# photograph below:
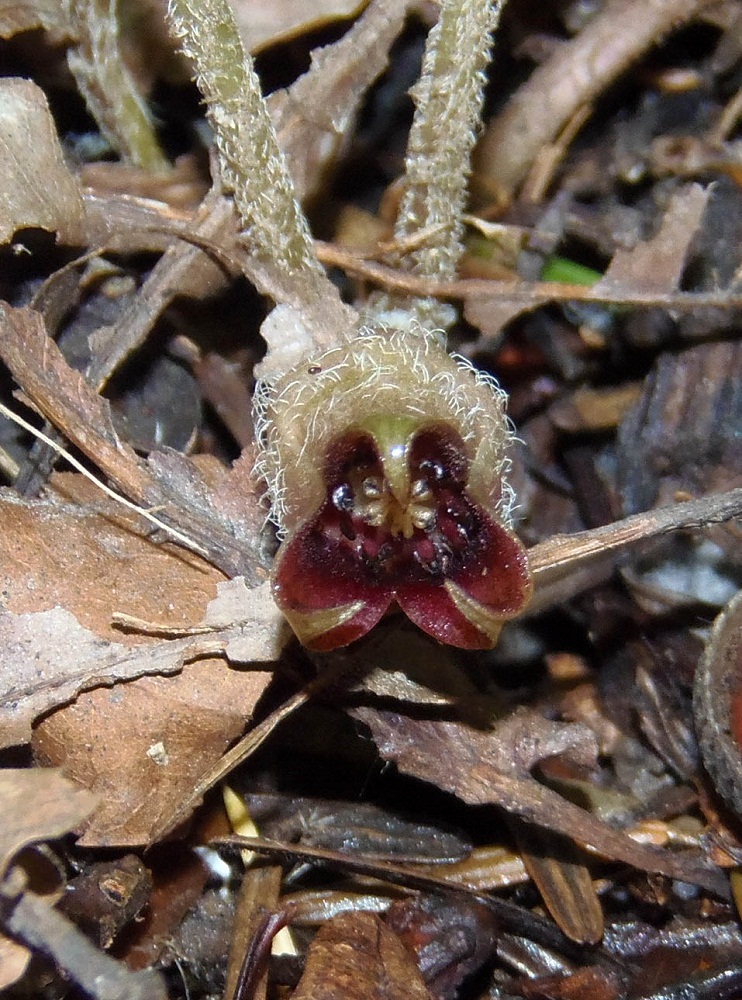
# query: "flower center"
374,503
397,503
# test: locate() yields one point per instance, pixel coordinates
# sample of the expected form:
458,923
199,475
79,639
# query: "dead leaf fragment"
38,804
48,658
657,264
142,746
36,188
354,957
81,551
451,937
25,15
258,630
263,24
493,766
51,653
314,115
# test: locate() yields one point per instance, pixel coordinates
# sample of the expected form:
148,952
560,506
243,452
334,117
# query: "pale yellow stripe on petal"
474,612
311,625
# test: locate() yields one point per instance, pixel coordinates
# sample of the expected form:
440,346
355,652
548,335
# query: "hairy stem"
448,106
109,89
253,167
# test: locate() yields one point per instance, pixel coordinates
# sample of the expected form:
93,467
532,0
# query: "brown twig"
574,76
531,293
564,552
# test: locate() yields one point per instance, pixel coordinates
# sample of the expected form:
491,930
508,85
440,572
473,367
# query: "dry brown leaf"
168,481
143,745
355,956
490,316
81,550
263,24
38,804
404,664
126,224
36,188
103,567
75,563
493,766
25,15
48,659
657,264
312,117
179,189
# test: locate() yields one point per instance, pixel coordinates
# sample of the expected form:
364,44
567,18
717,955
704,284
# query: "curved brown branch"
573,77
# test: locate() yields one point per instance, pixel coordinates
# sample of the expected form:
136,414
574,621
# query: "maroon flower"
399,507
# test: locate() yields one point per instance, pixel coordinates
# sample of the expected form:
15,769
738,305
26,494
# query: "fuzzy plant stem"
448,106
253,166
110,92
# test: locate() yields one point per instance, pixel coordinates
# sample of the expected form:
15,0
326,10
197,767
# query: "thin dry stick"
727,122
565,552
574,76
179,536
530,293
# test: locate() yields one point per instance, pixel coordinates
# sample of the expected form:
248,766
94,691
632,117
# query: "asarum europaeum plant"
384,457
385,462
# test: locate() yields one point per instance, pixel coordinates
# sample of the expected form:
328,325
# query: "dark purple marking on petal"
454,570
